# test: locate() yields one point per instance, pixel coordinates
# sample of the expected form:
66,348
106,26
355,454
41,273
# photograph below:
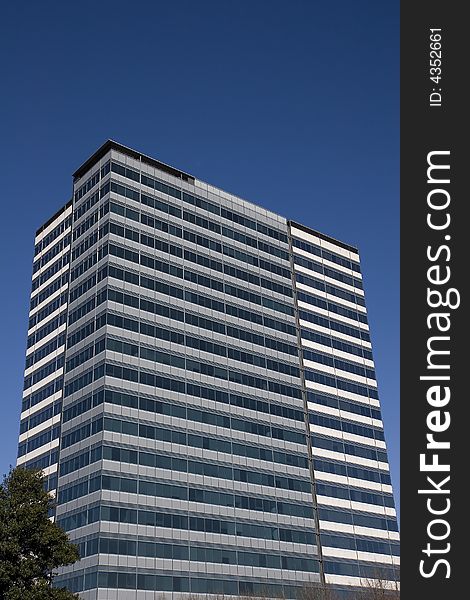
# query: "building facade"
200,392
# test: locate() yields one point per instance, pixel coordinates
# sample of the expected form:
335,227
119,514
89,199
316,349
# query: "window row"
38,440
98,234
332,307
43,461
39,417
357,519
50,326
331,342
180,361
342,384
89,327
50,254
197,299
170,408
350,470
247,240
199,202
178,251
47,310
185,274
209,417
84,286
207,554
327,255
203,368
183,233
328,271
232,234
184,316
353,407
200,416
163,288
172,583
359,544
89,262
175,436
86,330
76,461
198,239
338,363
45,350
334,325
85,354
84,308
150,518
57,284
50,271
38,396
87,186
183,465
323,286
51,367
354,494
52,235
173,384
199,467
374,433
361,570
183,339
94,218
50,483
217,444
342,447
85,206
181,492
83,380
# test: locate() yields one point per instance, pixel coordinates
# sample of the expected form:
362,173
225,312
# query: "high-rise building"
201,394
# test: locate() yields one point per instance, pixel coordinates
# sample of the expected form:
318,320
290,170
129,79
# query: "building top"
322,236
54,217
112,145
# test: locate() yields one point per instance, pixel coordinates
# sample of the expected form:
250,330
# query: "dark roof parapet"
112,145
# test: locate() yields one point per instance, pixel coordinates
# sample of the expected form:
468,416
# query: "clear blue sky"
292,105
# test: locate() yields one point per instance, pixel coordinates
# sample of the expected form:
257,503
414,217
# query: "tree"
31,545
379,587
317,591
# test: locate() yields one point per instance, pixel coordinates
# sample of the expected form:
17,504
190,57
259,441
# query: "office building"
201,394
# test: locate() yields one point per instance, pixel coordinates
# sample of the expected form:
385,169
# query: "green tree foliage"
31,545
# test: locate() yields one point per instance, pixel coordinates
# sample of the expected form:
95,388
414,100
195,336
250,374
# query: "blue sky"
292,105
